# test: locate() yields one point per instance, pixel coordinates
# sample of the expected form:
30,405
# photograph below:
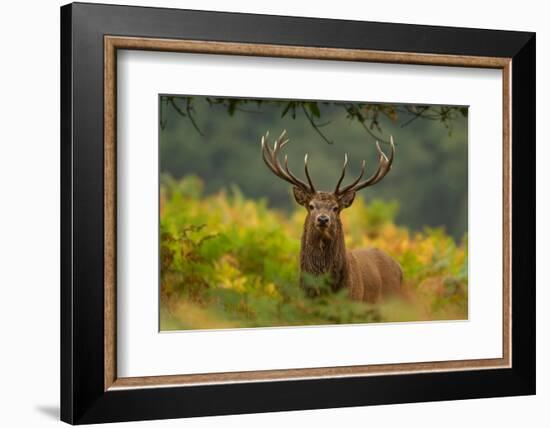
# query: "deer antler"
384,166
271,159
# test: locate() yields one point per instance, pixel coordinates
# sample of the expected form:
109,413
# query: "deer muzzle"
322,220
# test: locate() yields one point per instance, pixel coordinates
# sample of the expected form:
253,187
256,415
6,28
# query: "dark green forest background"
218,140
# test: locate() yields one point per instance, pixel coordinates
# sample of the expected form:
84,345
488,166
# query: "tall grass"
230,262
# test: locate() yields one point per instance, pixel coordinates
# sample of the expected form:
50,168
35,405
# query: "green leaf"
231,107
314,109
287,108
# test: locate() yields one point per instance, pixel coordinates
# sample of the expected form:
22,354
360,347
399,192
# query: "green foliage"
218,139
228,261
369,116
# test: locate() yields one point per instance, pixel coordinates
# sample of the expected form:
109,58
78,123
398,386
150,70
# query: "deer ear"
346,199
301,196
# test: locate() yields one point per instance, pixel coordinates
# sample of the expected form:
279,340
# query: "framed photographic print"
265,213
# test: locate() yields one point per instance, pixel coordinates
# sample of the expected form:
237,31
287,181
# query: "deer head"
323,208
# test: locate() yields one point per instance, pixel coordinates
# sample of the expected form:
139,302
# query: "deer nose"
323,219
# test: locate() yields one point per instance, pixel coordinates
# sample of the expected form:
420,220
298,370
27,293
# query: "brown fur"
368,274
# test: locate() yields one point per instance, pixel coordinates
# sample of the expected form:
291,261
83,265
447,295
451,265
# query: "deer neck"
324,254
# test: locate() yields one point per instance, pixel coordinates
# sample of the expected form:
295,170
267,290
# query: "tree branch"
314,125
189,109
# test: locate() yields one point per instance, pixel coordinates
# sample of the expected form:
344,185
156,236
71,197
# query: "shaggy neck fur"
324,253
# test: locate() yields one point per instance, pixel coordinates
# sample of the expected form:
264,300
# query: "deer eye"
335,209
311,206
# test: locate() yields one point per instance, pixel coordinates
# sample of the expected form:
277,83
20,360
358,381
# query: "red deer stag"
368,274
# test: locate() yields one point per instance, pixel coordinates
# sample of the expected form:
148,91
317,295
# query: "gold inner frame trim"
113,43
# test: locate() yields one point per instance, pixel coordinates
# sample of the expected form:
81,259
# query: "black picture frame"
83,398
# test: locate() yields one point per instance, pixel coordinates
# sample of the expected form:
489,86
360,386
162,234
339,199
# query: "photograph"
283,210
292,212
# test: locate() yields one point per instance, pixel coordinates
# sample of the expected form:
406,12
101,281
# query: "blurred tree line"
218,139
